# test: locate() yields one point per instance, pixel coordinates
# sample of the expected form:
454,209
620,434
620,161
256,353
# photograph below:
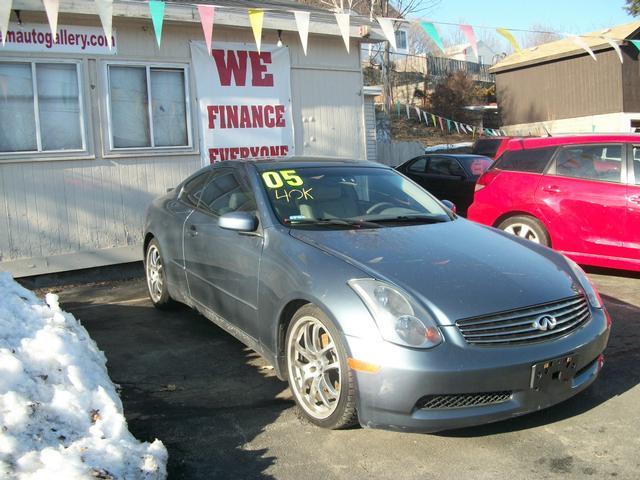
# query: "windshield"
348,197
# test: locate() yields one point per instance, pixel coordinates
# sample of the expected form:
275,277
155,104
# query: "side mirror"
450,205
238,221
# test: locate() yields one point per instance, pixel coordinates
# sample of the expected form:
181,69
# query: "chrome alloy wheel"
154,273
524,231
314,367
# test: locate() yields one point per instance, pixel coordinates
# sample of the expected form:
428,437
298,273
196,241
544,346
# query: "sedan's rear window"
533,160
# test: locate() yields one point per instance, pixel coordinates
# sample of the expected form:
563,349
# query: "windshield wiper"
334,222
412,219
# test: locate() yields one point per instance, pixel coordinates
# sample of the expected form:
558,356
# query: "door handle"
635,199
193,231
551,189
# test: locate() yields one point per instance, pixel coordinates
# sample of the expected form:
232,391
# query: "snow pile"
447,146
60,415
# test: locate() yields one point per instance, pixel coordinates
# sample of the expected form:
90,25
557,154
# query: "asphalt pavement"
222,413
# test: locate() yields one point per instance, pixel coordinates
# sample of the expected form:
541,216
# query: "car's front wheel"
319,377
156,277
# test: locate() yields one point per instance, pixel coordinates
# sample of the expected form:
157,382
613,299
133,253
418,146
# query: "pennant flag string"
256,18
343,24
302,22
105,11
5,13
52,7
467,30
386,24
430,30
510,38
156,8
207,14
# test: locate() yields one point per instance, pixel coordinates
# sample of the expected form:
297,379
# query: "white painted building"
88,136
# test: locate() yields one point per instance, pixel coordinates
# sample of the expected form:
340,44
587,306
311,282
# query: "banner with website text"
244,99
37,37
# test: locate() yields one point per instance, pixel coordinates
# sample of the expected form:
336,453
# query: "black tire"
344,413
527,227
160,294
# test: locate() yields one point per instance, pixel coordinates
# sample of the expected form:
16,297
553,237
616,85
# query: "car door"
582,199
446,179
416,171
222,265
632,235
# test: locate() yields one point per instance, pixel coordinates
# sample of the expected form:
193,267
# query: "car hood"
456,269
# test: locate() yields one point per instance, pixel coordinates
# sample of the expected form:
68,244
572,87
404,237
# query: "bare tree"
538,35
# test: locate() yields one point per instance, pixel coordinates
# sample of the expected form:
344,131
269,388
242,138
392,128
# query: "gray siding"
77,213
565,88
370,128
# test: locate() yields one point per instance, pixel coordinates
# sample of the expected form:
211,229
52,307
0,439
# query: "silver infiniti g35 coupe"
373,299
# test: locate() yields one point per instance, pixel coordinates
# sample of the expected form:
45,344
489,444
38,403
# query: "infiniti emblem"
544,323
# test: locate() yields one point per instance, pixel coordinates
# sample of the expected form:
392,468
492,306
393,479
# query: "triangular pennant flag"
433,117
156,7
448,124
207,14
582,44
5,13
256,17
386,24
419,116
636,43
343,25
302,22
467,30
457,126
426,118
52,7
398,107
408,111
510,38
441,125
105,11
615,46
430,30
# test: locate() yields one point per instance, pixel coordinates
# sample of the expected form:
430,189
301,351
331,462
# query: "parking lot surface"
222,413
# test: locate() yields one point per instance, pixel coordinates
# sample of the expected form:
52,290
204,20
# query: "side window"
444,166
224,193
636,164
419,165
532,160
193,189
591,162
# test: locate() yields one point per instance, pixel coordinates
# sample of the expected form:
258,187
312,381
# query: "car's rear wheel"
156,277
319,377
526,227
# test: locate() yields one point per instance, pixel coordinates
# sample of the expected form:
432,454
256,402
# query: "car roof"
299,162
541,142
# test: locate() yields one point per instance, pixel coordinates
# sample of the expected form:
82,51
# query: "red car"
578,194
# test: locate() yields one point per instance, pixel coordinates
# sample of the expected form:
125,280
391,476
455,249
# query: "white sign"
244,99
70,39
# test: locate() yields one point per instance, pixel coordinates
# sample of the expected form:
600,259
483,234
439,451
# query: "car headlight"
585,283
396,316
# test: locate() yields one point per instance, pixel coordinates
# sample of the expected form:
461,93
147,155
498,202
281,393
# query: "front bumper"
392,397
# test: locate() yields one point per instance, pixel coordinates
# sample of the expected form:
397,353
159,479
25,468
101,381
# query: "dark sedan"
447,176
377,303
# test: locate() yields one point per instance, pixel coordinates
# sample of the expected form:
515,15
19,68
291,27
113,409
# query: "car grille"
462,400
517,326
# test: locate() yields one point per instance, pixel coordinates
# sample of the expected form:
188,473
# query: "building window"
41,108
148,107
401,40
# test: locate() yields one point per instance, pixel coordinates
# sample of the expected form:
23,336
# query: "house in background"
558,88
464,52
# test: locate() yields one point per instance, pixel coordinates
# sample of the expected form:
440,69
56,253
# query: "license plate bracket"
550,372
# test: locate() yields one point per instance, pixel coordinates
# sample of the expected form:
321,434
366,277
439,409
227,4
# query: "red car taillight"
485,179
